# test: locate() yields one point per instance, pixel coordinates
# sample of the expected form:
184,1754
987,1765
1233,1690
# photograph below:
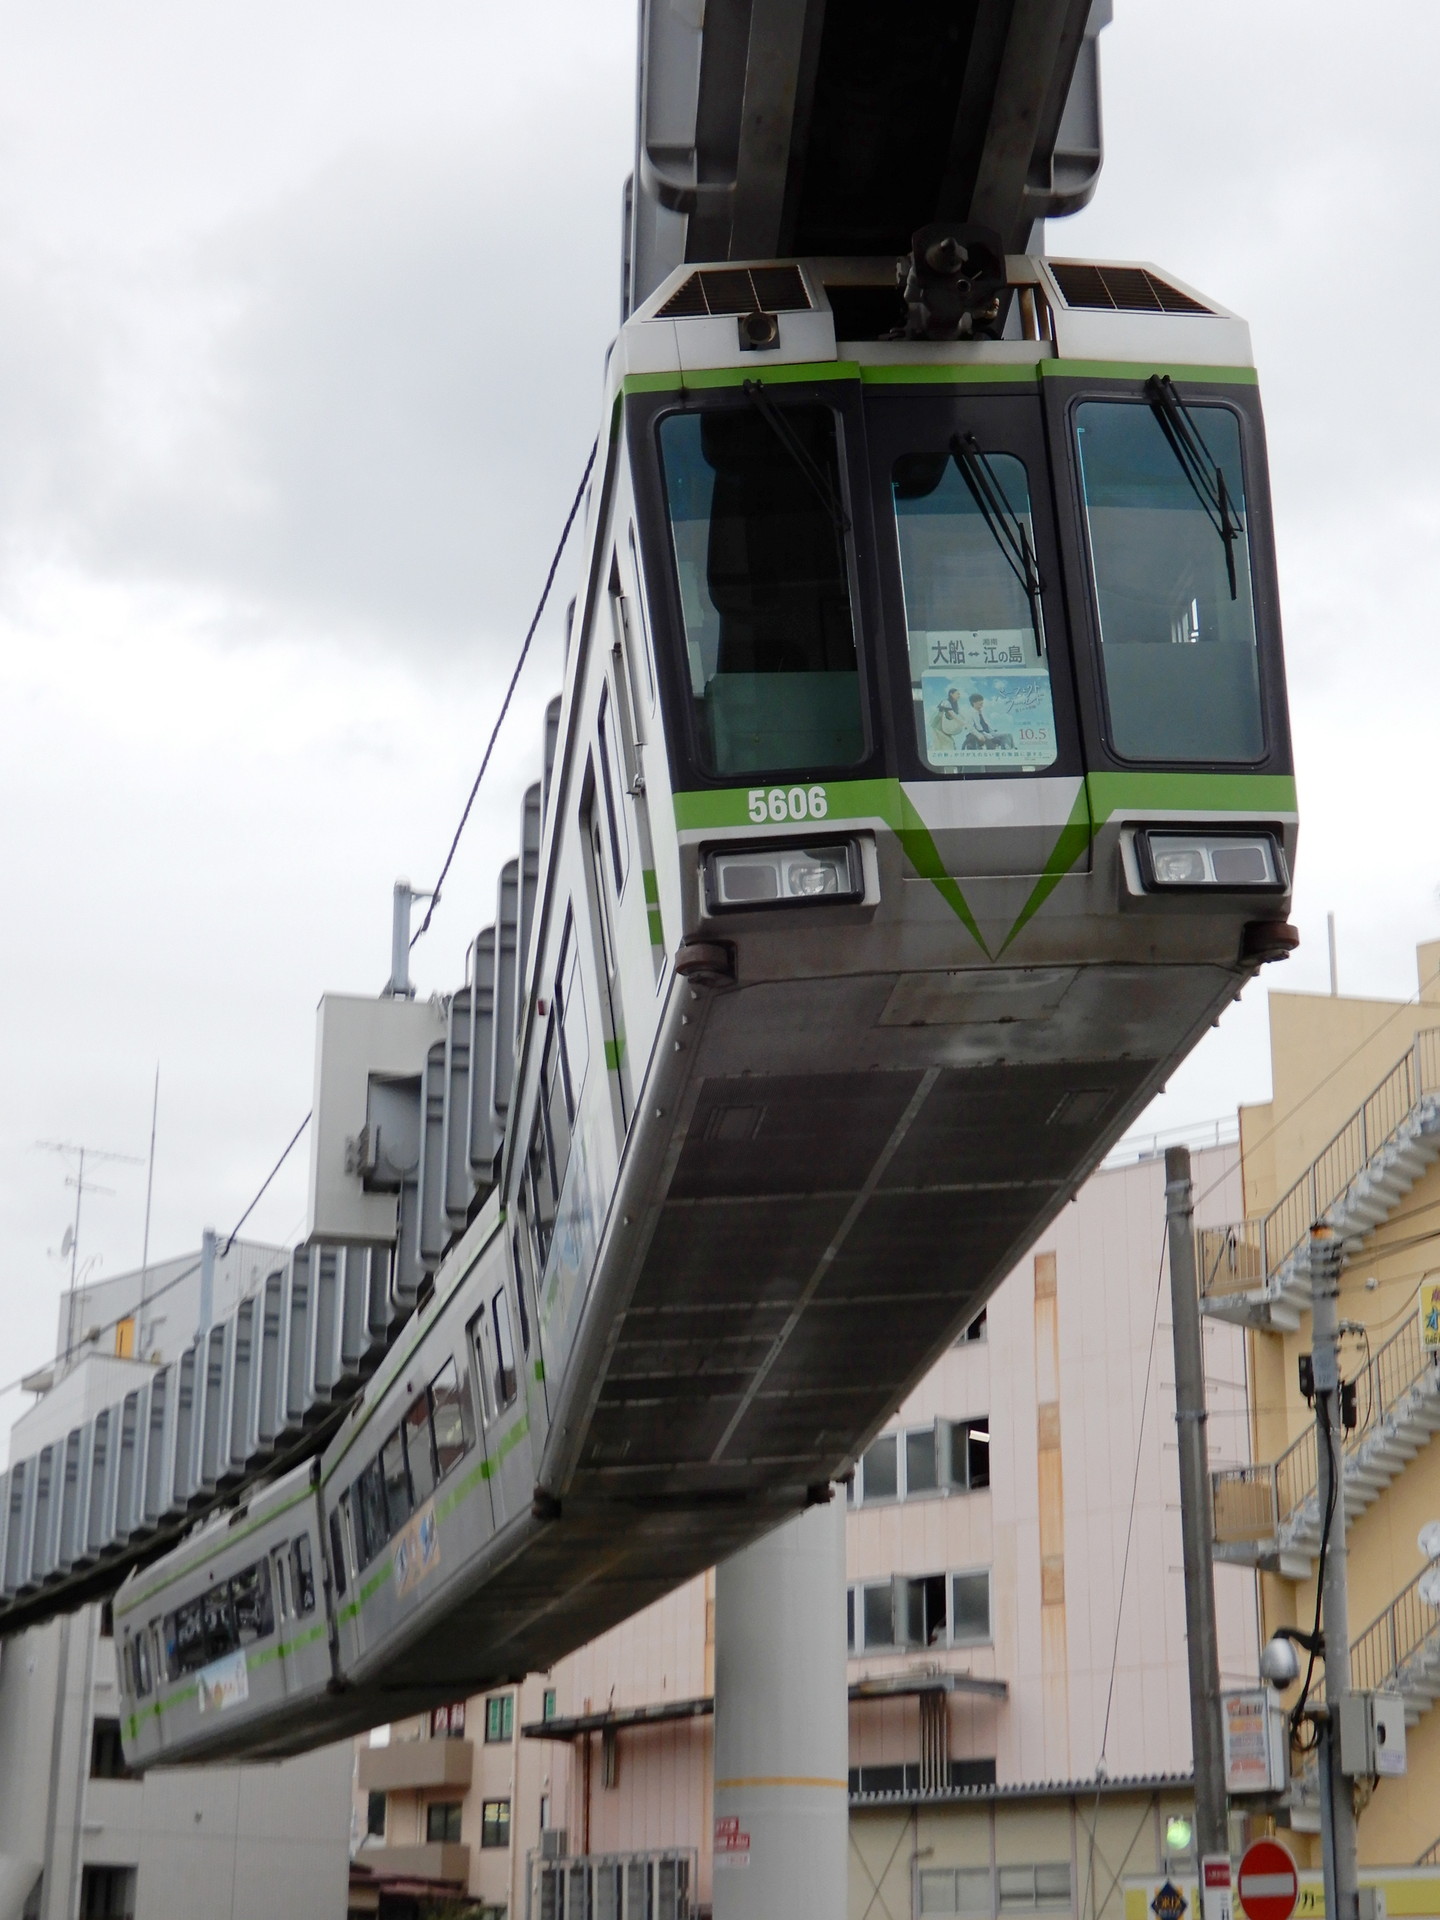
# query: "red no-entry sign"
1269,1885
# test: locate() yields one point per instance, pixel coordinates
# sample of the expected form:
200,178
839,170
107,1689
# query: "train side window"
420,1450
644,642
979,675
337,1550
447,1412
398,1503
759,535
610,770
519,1264
221,1636
250,1595
127,1669
142,1664
482,1343
540,1181
570,1019
369,1496
281,1584
506,1381
303,1564
1170,557
186,1634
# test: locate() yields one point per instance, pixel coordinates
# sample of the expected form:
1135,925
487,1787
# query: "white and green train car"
920,793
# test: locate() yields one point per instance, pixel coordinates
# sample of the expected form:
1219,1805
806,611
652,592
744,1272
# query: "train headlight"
763,876
1230,862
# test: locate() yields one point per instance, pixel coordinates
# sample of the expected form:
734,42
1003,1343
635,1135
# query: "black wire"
230,1238
1298,1710
424,926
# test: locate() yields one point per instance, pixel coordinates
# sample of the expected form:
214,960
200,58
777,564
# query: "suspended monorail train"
921,792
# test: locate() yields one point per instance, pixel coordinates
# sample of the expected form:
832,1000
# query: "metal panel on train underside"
824,1232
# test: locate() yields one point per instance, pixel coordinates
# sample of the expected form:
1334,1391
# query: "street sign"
1215,1887
1430,1315
1268,1883
1257,1742
1169,1903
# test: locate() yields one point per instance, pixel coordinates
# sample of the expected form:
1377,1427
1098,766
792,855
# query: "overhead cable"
509,694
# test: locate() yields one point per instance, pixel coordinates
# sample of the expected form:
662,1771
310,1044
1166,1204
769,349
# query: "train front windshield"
900,554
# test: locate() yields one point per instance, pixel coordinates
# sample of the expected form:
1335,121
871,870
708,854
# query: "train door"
503,1409
595,853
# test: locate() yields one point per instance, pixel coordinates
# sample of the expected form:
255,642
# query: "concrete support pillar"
782,1724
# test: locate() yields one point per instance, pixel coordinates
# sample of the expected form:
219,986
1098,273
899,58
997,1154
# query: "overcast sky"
302,314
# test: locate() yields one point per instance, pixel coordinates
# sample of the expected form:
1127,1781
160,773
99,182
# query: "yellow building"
1352,1134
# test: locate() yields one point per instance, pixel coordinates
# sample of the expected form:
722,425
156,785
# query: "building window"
442,1821
375,1816
879,1474
1037,1888
547,1706
970,1454
495,1823
499,1717
975,1330
107,1621
107,1893
919,1610
448,1723
955,1890
970,1609
947,1456
107,1756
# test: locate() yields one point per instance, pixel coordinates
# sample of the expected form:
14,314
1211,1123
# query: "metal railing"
1431,1856
1392,1642
1254,1502
1246,1254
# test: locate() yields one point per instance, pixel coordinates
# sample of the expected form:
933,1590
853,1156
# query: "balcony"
406,1765
445,1861
1269,1515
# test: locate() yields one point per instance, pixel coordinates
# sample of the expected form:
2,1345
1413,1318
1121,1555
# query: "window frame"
494,1825
499,1719
1004,419
1091,595
659,587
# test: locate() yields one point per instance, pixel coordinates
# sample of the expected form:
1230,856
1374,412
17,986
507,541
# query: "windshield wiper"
1006,527
1205,474
815,474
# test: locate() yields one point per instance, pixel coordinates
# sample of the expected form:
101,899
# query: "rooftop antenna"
82,1186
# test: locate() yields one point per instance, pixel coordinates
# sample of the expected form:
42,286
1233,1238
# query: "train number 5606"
788,803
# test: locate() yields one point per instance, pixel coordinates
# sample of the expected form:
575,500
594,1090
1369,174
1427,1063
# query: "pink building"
1019,1721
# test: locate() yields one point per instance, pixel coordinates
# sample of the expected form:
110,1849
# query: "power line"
260,1190
424,926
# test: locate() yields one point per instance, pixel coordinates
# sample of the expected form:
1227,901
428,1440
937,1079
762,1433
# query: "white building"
79,1839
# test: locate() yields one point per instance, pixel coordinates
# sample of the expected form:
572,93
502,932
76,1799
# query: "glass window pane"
760,552
879,1624
972,1886
937,1890
420,1450
397,1483
219,1623
1178,646
1052,1884
878,1469
447,1414
250,1593
970,1612
337,1550
979,676
1017,1887
506,1383
374,1522
977,1454
303,1569
920,1474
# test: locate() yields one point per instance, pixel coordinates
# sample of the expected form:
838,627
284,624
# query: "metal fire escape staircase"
1256,1273
1399,1652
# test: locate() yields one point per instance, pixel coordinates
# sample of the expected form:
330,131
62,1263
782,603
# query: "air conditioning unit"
554,1843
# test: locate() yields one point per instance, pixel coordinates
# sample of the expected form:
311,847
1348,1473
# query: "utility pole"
1212,1836
1337,1806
